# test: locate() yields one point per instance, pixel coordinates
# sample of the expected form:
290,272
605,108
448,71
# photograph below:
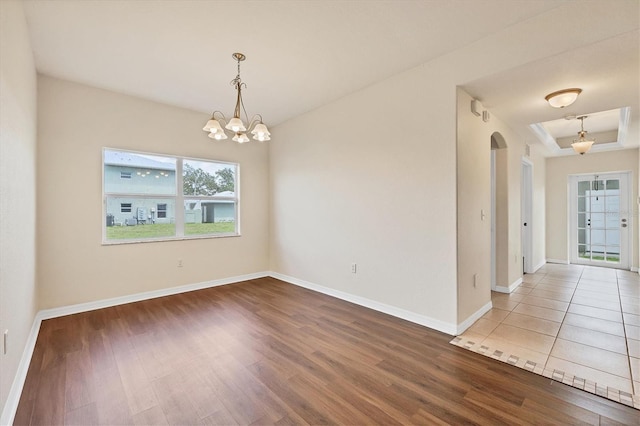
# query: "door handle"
624,225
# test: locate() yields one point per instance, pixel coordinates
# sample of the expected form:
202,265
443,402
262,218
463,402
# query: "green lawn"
166,230
610,257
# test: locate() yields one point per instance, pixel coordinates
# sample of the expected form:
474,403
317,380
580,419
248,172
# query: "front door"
600,220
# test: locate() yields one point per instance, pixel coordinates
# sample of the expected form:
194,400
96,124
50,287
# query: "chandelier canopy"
236,126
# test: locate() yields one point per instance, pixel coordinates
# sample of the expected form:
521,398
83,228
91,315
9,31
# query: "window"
167,197
162,211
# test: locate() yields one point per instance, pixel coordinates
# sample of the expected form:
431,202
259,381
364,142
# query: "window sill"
168,239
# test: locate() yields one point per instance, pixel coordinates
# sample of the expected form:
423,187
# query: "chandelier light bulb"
236,125
241,138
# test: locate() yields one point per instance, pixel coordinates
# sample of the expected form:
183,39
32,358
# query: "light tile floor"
577,320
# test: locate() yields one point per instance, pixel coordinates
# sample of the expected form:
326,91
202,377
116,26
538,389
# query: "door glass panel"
613,203
581,220
613,184
582,204
597,252
597,237
583,187
597,220
613,238
596,204
612,219
613,257
582,236
582,251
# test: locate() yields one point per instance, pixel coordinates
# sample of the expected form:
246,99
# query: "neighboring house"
140,190
207,211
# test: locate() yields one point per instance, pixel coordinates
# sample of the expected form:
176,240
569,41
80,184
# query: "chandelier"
582,144
236,126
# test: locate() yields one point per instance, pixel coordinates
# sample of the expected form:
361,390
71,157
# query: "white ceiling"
303,54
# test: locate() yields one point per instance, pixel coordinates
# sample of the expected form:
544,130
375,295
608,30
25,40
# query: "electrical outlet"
354,268
179,263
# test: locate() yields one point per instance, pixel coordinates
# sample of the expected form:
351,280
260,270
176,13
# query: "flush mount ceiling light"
256,127
562,98
582,144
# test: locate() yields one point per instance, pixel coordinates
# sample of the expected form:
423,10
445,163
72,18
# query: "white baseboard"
433,323
634,269
473,318
510,289
137,297
562,262
539,265
13,398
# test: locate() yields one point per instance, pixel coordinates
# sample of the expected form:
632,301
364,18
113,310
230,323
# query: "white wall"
17,190
558,171
74,123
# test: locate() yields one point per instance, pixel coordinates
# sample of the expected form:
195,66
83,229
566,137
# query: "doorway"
599,221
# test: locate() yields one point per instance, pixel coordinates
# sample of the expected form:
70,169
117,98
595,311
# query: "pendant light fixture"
563,98
256,127
582,144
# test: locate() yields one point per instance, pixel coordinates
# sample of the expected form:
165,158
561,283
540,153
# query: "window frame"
178,198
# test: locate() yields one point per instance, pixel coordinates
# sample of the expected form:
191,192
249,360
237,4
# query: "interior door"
600,220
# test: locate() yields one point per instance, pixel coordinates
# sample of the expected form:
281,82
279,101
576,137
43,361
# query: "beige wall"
558,171
17,190
74,123
474,196
380,193
474,199
371,179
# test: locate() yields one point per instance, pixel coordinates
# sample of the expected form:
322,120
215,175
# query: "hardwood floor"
267,352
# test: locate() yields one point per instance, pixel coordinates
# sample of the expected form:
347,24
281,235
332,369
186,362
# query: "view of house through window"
158,197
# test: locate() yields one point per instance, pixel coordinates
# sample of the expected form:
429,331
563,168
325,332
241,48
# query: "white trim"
372,304
539,265
493,219
473,318
560,261
633,269
511,288
13,398
137,297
